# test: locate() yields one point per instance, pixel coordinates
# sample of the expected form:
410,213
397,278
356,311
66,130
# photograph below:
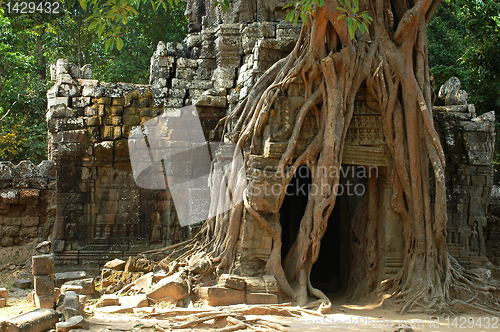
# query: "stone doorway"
331,272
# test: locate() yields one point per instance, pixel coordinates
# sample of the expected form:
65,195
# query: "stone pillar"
228,44
43,271
390,230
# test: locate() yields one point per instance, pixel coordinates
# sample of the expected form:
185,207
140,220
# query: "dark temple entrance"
331,271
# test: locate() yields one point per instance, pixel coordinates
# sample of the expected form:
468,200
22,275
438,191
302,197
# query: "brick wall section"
27,202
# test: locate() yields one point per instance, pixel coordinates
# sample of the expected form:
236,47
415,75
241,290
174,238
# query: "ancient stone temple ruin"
99,212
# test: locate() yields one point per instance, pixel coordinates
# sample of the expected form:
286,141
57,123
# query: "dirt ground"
344,316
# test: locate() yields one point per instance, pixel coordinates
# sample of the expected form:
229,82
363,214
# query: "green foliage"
110,18
29,43
464,39
301,8
354,19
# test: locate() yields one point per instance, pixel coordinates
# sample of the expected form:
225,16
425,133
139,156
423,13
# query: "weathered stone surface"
134,301
108,300
45,301
167,289
44,285
3,292
63,277
138,265
42,265
72,288
232,281
23,283
115,309
261,298
75,322
43,248
88,285
72,306
38,320
215,295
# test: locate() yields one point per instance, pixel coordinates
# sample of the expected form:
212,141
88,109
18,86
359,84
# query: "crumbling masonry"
98,212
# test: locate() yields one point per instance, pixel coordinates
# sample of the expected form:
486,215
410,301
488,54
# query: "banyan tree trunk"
391,61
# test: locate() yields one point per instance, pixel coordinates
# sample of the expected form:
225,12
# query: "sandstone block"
215,295
44,301
134,301
116,264
72,306
114,309
3,302
75,322
3,292
38,320
108,300
138,265
42,265
29,197
23,283
63,277
232,281
88,285
173,287
72,288
261,298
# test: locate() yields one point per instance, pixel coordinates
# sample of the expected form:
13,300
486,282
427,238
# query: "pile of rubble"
136,285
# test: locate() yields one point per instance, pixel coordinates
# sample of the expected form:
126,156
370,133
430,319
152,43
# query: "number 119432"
33,7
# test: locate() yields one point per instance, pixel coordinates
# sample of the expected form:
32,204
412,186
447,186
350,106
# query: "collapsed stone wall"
27,201
468,142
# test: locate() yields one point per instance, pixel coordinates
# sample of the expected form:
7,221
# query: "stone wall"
100,208
492,231
468,142
101,212
27,202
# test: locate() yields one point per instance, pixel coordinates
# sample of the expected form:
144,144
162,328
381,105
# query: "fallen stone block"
72,288
114,309
3,292
231,281
88,285
44,285
108,300
71,305
116,264
142,284
64,277
38,320
264,284
135,264
134,301
23,283
261,298
45,301
173,287
42,265
215,295
75,322
109,277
